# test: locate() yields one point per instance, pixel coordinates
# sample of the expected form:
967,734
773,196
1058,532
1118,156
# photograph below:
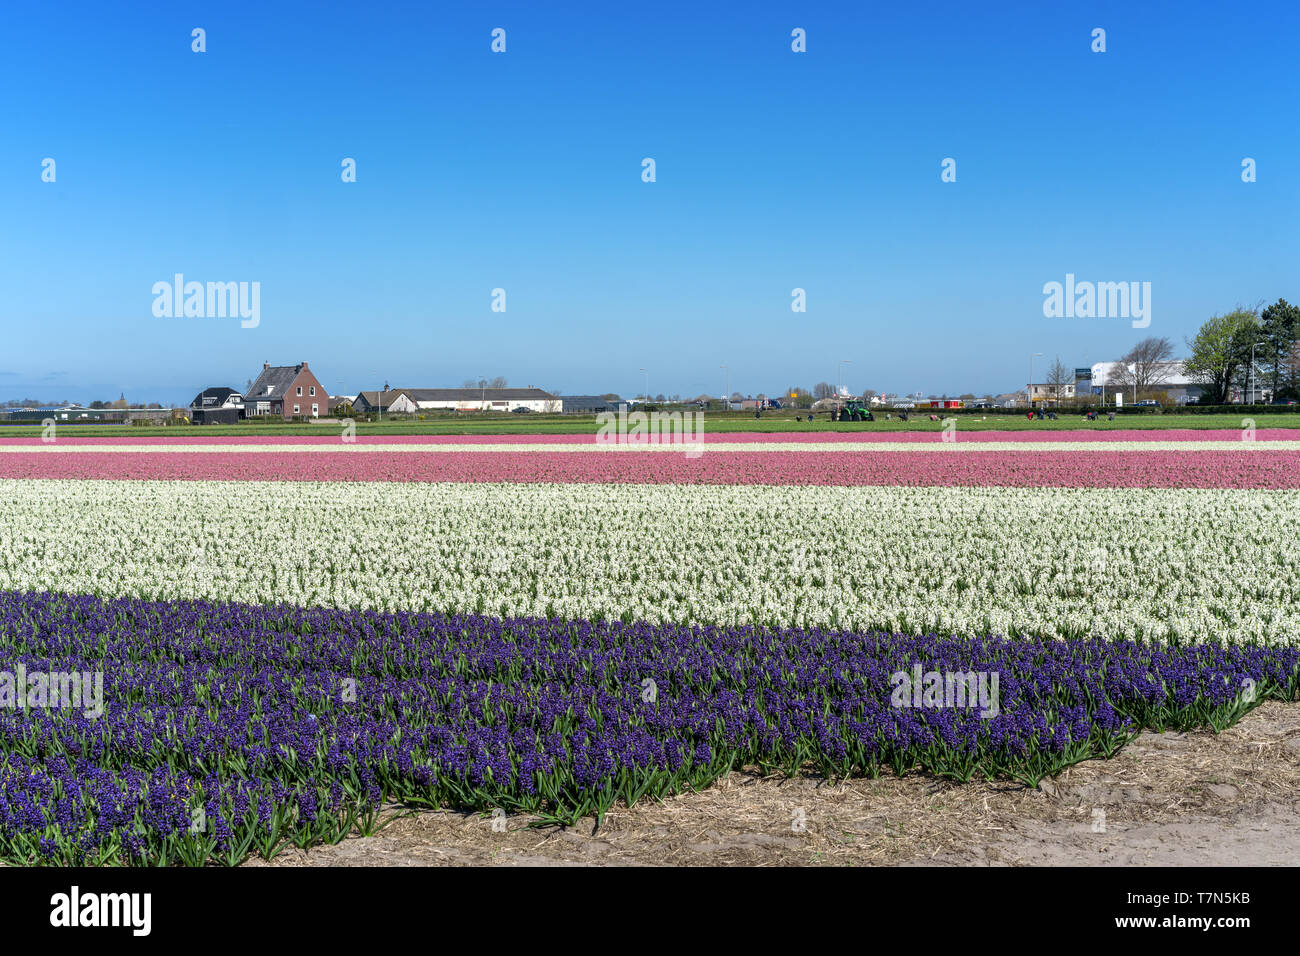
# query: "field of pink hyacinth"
757,438
1094,463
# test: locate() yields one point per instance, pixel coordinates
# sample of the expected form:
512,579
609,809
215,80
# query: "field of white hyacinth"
1164,564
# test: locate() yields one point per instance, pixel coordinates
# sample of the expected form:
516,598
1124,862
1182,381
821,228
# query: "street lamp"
1029,390
726,396
1251,373
647,386
838,366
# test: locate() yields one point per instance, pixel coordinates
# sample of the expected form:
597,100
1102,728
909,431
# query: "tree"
799,397
498,382
868,394
1058,376
1146,366
823,390
1280,329
1290,390
1220,351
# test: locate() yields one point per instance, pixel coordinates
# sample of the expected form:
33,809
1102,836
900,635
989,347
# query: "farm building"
588,403
1169,377
286,391
217,406
394,400
407,400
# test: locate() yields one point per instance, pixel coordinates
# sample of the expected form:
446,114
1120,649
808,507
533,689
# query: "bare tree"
1058,376
498,382
823,390
1146,366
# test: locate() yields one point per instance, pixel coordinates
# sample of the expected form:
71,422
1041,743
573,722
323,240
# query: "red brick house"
286,391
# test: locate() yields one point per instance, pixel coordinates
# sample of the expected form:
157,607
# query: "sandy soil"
1195,798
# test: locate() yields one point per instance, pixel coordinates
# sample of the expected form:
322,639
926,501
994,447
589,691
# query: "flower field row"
656,445
330,436
1178,565
231,730
1242,466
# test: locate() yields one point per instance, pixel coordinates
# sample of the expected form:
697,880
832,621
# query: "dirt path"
1193,798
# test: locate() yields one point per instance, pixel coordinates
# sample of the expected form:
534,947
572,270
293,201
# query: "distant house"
217,406
459,400
394,400
286,391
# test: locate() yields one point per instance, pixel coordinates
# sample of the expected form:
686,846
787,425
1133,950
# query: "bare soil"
1167,799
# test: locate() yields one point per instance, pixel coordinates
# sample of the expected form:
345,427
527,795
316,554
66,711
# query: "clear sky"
523,171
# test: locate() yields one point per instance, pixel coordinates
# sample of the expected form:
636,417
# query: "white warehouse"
411,400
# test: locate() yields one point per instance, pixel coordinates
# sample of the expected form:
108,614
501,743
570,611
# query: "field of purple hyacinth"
229,730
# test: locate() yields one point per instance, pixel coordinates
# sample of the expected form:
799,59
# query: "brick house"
286,391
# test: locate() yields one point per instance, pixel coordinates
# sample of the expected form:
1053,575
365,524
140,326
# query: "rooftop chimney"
265,366
304,364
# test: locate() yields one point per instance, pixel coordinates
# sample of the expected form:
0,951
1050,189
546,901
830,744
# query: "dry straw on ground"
1196,798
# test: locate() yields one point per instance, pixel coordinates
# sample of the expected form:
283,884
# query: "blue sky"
522,171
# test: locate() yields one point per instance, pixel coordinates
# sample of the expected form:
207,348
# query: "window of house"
300,390
295,409
315,410
312,390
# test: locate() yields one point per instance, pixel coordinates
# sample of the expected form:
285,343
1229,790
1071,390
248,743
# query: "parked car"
521,410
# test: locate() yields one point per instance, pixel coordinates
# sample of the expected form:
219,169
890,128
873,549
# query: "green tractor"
854,412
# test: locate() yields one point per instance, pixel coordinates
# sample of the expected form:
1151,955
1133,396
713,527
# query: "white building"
412,400
1177,384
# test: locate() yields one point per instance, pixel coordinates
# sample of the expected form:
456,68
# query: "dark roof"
588,403
213,397
475,394
278,378
372,399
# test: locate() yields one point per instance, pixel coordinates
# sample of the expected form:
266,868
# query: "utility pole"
726,396
1029,390
647,387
